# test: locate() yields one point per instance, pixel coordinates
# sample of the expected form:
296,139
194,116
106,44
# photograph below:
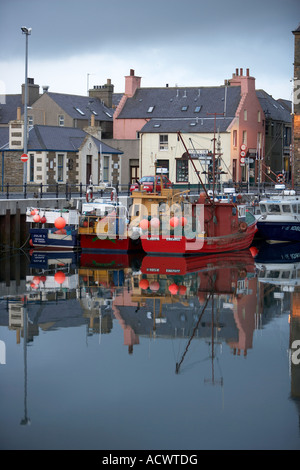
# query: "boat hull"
92,243
47,239
184,246
279,231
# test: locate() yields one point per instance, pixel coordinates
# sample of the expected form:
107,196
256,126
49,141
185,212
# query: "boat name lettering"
292,227
172,270
153,270
153,238
173,239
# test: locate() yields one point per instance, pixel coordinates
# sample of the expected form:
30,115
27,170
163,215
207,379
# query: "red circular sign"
242,154
243,147
24,157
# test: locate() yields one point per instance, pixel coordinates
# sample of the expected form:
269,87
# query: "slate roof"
4,137
60,139
177,107
272,108
85,104
8,109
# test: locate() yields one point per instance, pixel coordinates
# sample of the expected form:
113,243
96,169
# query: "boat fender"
113,196
89,195
280,178
243,226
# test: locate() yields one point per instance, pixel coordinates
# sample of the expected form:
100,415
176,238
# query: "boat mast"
195,169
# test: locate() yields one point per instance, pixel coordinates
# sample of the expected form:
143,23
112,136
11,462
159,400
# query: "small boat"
279,218
171,223
53,229
103,223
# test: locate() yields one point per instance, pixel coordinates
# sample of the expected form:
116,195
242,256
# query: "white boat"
279,218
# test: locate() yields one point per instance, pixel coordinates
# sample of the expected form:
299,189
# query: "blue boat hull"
45,238
278,231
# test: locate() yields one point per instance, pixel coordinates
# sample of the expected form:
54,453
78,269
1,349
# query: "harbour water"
122,353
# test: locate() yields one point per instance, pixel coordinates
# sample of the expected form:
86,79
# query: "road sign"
24,157
242,153
243,147
249,160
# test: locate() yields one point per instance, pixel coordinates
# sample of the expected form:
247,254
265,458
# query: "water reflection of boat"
279,265
171,292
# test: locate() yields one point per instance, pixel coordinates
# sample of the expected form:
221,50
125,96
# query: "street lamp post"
27,32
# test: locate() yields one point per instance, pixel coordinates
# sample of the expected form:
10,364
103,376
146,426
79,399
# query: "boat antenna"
214,151
195,169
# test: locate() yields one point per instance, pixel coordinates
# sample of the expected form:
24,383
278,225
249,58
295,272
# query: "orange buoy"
174,221
182,221
144,224
36,280
173,288
43,220
33,212
182,290
60,222
59,277
36,218
144,284
253,251
154,286
155,223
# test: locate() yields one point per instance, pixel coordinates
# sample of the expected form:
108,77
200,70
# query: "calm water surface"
103,352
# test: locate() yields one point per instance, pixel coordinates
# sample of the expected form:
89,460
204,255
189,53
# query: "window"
31,167
30,120
258,116
184,108
60,167
182,171
163,142
245,137
234,138
80,112
61,120
197,109
150,109
105,168
245,114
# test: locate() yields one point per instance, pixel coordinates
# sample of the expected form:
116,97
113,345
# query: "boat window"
286,208
298,209
294,207
263,209
285,275
274,208
274,274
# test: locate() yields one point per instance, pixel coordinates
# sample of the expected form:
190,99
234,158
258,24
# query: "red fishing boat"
172,224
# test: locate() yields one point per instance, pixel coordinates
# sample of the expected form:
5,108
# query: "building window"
234,138
60,167
61,120
245,137
30,121
163,142
31,167
245,114
258,116
150,109
182,171
105,168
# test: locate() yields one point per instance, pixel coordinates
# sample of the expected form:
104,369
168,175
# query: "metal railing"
69,190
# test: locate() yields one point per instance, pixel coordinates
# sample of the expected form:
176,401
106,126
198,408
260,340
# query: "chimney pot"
241,72
237,72
132,72
247,72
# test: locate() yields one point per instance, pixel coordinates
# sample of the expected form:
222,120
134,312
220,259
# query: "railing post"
66,191
41,191
80,190
7,190
25,190
56,190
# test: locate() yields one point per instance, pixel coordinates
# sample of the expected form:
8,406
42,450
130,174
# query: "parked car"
147,183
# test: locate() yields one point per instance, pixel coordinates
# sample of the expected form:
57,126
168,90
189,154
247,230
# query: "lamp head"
26,30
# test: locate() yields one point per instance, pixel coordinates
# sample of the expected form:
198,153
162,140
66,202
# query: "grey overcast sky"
79,43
